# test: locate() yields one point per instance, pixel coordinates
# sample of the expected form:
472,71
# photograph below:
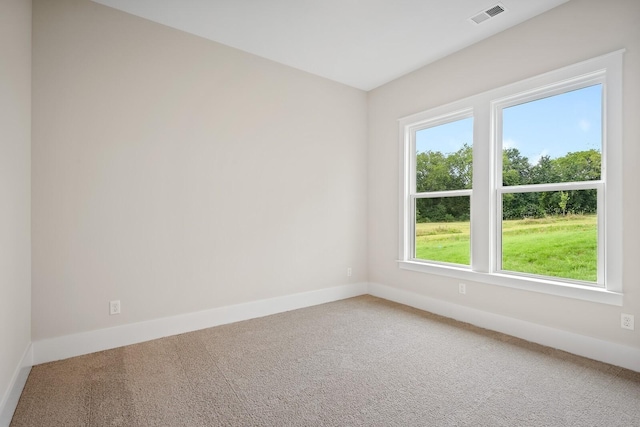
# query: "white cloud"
584,125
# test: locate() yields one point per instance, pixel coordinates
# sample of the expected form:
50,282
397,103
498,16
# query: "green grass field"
564,246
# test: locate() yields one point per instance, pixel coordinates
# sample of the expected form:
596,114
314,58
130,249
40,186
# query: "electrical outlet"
349,272
626,321
114,307
462,288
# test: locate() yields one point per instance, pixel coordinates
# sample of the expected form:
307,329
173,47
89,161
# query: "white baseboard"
88,342
10,399
592,348
48,350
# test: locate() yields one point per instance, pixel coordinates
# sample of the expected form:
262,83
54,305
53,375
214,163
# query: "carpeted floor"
357,362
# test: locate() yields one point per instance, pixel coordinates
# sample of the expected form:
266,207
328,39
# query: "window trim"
606,70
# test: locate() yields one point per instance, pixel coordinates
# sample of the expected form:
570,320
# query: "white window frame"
486,219
413,194
497,106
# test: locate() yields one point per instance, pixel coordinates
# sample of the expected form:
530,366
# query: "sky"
551,126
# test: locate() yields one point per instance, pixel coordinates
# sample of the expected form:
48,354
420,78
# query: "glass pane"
444,156
554,139
442,230
551,233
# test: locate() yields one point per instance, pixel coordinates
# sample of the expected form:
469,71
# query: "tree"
436,171
579,166
515,167
564,198
431,172
516,170
460,165
544,171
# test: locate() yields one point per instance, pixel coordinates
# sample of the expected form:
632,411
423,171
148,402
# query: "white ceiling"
361,43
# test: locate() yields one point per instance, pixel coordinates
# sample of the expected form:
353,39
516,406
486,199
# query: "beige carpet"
357,362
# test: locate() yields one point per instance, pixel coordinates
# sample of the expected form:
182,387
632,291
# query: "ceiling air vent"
488,14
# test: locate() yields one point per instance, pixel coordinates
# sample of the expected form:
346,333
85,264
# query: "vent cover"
488,14
494,10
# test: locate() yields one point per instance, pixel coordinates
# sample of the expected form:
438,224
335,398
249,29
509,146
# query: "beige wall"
575,31
177,174
15,195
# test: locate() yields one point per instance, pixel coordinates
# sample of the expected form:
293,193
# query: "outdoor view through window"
444,164
558,139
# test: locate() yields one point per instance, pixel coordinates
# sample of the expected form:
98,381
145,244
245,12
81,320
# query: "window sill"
567,290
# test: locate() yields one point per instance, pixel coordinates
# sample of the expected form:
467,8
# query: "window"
520,186
441,197
551,151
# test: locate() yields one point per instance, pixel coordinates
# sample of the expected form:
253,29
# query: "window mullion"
482,208
434,194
